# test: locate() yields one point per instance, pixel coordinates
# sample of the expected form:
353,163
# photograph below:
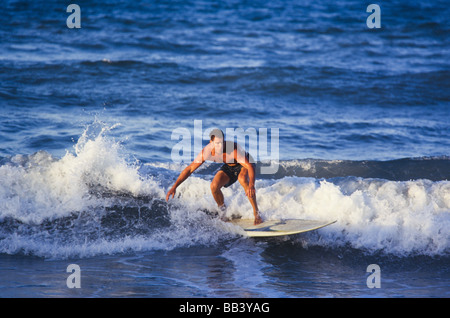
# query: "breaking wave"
97,200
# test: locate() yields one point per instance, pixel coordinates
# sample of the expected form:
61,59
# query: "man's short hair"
216,132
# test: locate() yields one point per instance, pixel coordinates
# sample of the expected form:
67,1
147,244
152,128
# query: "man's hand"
250,191
170,192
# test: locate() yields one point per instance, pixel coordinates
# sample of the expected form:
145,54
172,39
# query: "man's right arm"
186,173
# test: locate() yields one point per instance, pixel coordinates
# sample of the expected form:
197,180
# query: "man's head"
216,137
216,132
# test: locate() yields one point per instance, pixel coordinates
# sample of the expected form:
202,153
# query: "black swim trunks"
232,172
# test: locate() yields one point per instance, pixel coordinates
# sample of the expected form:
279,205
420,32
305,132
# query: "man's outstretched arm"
185,174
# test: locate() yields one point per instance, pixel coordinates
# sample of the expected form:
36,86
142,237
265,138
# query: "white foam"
374,215
38,186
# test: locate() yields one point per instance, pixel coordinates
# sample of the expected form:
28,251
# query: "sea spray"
51,206
38,186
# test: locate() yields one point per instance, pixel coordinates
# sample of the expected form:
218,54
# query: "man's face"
218,145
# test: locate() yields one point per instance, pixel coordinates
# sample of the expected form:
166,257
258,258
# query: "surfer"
237,167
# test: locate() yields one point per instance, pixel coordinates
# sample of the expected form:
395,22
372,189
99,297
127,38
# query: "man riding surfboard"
237,167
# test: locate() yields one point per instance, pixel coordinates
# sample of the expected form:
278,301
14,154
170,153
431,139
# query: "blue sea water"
90,118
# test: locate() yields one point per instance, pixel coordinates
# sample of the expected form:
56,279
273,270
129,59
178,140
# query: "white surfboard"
279,227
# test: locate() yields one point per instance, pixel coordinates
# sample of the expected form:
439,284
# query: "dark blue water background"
86,123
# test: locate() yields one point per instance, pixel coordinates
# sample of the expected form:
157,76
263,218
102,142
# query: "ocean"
346,122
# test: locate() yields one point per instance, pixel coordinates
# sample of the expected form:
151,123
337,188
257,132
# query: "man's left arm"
244,161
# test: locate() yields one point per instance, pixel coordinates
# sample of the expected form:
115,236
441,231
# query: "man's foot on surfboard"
222,212
258,219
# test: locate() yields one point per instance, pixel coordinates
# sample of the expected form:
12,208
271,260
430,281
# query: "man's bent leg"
220,179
